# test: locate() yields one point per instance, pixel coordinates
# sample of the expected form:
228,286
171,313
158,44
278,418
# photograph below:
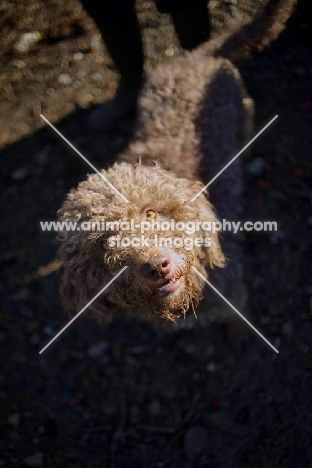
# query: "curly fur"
194,116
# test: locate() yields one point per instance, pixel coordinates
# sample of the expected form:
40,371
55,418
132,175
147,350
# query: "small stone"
85,101
265,320
154,407
34,460
304,348
64,79
212,367
255,167
21,359
111,370
195,442
210,350
287,329
213,4
26,40
276,237
257,282
50,91
19,173
139,349
81,74
78,56
97,77
96,42
34,339
19,64
21,294
277,194
41,429
3,337
277,342
42,155
48,330
13,419
97,349
33,326
99,59
170,52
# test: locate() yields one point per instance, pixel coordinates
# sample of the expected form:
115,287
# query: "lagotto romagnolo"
194,115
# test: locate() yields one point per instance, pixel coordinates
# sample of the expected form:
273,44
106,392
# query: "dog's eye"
151,214
104,244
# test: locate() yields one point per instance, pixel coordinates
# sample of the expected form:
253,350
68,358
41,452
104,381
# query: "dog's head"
159,234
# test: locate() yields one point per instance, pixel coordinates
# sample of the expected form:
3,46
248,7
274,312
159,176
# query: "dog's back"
194,117
203,88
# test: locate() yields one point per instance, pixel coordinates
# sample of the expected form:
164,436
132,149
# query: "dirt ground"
115,396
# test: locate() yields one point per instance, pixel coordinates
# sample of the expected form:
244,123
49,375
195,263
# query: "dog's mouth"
169,286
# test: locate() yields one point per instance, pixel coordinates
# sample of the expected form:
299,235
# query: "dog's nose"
159,266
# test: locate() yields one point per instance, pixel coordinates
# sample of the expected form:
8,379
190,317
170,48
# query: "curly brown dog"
194,116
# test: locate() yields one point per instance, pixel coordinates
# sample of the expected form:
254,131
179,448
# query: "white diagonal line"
235,157
235,310
84,308
84,158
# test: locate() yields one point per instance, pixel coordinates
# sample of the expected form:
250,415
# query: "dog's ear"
79,282
83,272
71,289
210,253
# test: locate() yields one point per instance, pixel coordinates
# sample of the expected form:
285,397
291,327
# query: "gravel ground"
116,396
